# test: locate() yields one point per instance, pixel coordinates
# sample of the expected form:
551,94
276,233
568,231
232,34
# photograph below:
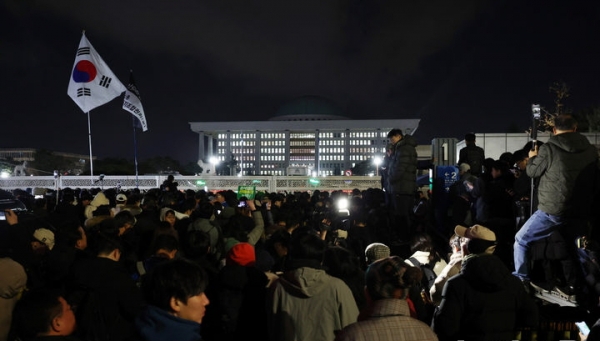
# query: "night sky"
459,66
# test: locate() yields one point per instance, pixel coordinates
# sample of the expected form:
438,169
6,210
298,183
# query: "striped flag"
133,103
92,83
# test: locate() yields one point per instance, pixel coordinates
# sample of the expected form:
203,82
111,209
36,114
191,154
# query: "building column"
201,153
209,148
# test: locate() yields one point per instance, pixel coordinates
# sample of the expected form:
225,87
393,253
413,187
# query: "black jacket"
402,167
483,302
121,299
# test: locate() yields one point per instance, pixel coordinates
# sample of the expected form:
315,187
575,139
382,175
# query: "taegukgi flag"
92,82
133,103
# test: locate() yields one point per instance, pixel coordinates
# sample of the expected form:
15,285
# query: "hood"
157,324
486,273
305,281
13,279
570,142
99,200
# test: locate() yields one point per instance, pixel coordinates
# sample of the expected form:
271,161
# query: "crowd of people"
170,264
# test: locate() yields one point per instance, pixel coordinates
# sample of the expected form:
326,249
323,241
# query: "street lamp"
377,161
214,161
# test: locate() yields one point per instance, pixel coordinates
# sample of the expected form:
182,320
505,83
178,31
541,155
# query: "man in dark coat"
401,183
472,155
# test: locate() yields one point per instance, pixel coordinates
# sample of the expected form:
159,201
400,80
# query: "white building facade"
307,133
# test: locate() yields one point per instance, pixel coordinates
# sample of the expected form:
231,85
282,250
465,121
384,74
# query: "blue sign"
447,175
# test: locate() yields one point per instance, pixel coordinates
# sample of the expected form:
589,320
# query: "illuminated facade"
306,133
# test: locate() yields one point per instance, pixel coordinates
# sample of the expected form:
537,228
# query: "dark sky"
473,65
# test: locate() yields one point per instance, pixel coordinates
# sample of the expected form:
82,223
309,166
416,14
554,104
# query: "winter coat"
99,200
308,304
121,298
483,302
402,167
567,168
155,324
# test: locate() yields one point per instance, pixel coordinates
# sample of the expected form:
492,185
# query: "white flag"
133,104
92,82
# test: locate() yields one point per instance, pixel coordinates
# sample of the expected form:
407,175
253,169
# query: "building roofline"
407,125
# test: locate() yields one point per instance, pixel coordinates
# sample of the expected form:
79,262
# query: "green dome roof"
309,108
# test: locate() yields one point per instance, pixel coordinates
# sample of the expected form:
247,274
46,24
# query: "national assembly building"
306,136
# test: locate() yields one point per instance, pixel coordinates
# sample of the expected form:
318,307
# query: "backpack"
419,294
428,274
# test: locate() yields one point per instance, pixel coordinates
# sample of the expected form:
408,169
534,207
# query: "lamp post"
377,161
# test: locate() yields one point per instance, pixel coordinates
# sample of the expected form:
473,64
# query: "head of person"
43,312
479,239
242,254
105,243
390,277
395,135
42,240
306,249
165,246
121,199
464,168
170,217
124,221
177,286
564,123
376,251
197,244
499,168
73,234
521,157
469,138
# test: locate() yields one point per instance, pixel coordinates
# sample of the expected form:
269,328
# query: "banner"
92,83
133,103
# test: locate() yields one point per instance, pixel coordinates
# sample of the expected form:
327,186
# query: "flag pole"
135,161
90,143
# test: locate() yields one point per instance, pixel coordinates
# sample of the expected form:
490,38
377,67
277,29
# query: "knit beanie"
241,254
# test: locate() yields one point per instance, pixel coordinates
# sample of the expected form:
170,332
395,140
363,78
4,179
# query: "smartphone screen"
583,327
2,216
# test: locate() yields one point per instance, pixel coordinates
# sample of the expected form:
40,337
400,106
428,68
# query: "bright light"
214,160
314,173
377,161
4,174
342,204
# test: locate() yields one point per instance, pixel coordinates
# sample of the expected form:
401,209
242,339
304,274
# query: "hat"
385,278
464,167
45,237
241,254
121,197
481,239
376,251
475,232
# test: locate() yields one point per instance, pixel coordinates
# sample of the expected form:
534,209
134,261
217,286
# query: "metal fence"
210,183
